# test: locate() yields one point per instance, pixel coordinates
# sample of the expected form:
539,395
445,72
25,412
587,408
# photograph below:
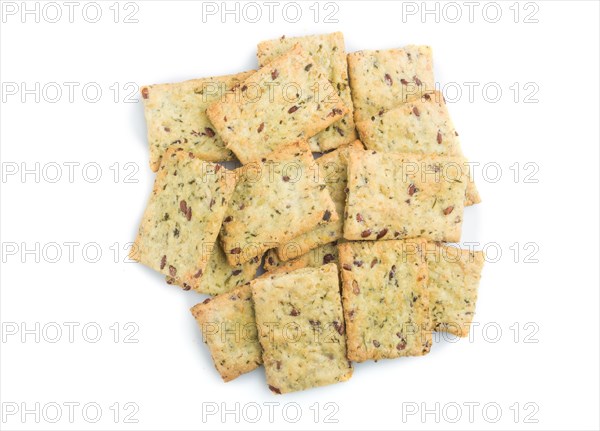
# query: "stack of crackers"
350,246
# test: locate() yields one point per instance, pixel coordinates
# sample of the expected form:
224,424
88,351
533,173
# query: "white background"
551,362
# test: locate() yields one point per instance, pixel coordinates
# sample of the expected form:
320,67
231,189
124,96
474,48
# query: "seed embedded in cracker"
322,255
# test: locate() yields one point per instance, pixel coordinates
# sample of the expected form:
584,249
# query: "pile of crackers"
350,183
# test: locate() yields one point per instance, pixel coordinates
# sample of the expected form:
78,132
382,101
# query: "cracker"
229,329
385,297
287,100
383,79
332,168
301,328
219,276
328,51
327,253
184,213
275,200
397,196
176,115
454,276
421,125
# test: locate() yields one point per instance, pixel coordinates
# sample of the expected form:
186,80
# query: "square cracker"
275,200
219,276
322,255
301,328
383,79
454,276
228,327
421,125
176,115
332,168
399,195
328,50
184,213
385,297
286,100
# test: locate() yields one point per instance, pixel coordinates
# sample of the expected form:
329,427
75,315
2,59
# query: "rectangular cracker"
286,100
421,125
219,276
383,79
313,352
328,50
385,297
275,200
399,195
184,213
229,329
322,255
176,115
332,168
454,276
